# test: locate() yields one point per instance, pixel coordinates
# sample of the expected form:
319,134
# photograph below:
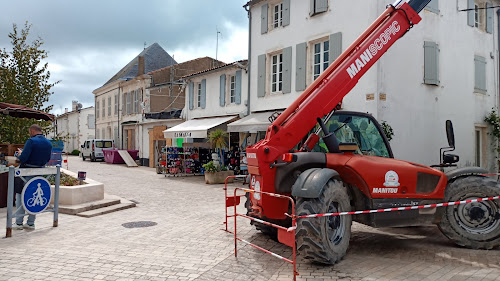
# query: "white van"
93,148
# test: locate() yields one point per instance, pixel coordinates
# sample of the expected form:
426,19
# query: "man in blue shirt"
36,154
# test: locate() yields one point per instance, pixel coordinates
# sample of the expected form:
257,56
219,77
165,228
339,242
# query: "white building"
214,98
446,67
120,102
75,126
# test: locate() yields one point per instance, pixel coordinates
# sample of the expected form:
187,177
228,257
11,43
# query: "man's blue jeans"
19,205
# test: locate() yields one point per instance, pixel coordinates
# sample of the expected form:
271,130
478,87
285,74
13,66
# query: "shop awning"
253,123
196,128
22,111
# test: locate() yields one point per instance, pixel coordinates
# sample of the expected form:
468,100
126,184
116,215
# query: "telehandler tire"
474,225
324,239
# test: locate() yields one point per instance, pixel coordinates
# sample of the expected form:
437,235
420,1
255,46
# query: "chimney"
74,105
142,67
66,110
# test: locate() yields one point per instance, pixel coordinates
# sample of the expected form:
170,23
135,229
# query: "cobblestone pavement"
187,243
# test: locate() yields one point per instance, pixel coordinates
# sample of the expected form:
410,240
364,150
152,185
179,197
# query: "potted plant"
216,174
218,138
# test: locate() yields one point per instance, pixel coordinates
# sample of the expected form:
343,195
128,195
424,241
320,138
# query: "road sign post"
36,193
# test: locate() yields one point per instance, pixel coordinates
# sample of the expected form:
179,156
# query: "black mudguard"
288,174
311,182
465,171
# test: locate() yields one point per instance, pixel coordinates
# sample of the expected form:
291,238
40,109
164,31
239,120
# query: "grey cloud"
72,30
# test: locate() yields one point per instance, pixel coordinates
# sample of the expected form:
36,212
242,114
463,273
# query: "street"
187,242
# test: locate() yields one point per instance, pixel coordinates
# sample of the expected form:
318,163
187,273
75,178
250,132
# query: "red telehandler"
351,167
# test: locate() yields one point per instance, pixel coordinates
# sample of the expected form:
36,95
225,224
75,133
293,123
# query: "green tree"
24,80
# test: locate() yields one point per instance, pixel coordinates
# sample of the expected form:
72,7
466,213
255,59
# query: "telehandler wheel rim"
336,227
478,217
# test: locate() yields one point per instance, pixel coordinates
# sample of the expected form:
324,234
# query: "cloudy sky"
89,41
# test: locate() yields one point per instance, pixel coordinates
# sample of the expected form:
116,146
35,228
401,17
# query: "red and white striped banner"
401,208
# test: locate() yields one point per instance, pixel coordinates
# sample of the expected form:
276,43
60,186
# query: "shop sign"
182,134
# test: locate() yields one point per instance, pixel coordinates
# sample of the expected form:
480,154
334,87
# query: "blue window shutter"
335,46
222,97
287,70
203,93
489,18
191,96
470,13
286,12
433,6
480,74
431,63
300,66
237,93
261,75
263,17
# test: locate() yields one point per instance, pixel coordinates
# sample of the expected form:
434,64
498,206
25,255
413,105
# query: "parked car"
93,148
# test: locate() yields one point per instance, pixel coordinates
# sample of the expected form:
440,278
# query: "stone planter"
218,177
79,194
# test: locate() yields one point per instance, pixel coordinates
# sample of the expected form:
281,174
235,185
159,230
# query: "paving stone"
187,243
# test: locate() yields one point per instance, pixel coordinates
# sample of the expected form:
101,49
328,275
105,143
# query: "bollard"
10,203
56,196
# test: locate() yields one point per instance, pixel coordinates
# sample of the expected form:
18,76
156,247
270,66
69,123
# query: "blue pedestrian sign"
36,195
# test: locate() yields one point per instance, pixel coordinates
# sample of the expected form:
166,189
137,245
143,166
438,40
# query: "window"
104,144
479,74
480,145
359,129
97,109
278,15
91,121
232,89
109,106
321,58
128,102
116,104
103,132
318,6
198,96
277,73
103,107
97,134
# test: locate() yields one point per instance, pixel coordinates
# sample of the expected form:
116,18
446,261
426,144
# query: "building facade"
75,126
445,68
120,102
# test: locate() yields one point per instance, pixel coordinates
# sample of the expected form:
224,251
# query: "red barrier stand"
285,235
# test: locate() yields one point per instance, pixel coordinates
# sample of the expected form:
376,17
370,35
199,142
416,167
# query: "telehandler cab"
352,166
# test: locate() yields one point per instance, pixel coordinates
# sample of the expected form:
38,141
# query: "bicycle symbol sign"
36,195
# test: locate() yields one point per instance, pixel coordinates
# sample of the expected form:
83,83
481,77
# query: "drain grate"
137,224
